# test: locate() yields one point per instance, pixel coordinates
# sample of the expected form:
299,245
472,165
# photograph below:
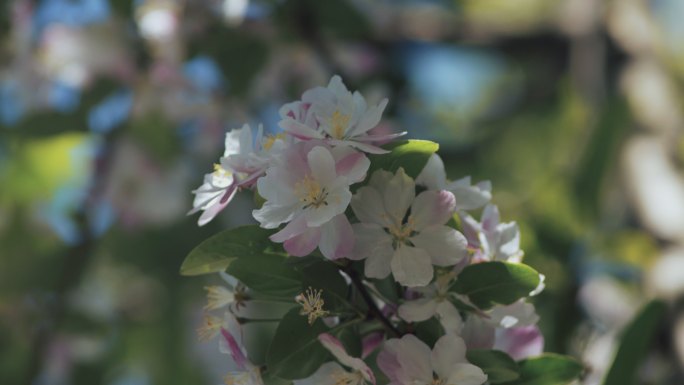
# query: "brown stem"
373,310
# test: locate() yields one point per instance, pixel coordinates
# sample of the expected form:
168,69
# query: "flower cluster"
379,255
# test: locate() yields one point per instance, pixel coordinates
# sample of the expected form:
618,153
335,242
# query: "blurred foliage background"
112,111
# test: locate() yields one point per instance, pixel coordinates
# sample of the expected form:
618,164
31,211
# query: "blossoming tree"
367,266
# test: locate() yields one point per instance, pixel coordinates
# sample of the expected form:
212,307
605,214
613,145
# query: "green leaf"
634,344
267,274
270,379
325,276
490,283
295,351
429,331
412,155
217,252
497,365
548,369
352,341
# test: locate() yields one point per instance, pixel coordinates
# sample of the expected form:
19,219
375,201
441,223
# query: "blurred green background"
112,111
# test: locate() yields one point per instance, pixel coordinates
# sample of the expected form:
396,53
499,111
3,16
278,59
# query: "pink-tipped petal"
520,343
353,166
337,238
295,227
212,211
234,349
304,243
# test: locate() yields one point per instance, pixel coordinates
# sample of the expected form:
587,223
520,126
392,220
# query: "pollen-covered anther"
270,140
346,378
312,304
310,192
220,171
339,123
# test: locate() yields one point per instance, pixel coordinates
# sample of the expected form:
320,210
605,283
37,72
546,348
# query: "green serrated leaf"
412,155
295,351
548,369
634,344
491,283
267,274
217,252
497,365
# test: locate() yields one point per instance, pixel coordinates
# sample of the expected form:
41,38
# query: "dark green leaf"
429,331
634,344
548,369
490,283
497,365
217,252
351,339
412,155
295,351
268,274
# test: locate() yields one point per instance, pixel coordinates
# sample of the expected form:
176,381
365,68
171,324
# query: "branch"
373,310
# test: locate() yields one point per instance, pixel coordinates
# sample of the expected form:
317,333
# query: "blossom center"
270,140
402,232
220,171
312,304
346,378
310,192
339,123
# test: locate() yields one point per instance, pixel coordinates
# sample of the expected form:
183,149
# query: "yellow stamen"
220,171
339,123
346,378
310,192
401,233
312,304
271,139
239,379
218,297
210,327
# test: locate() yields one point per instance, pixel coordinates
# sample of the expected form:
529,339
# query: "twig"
373,311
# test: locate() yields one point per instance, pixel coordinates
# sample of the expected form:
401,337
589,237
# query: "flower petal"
414,357
322,165
433,175
304,243
449,350
336,202
292,229
449,317
299,130
350,163
335,347
398,196
432,208
520,343
445,245
411,266
370,118
470,197
327,374
271,216
467,374
337,238
477,333
368,207
418,310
